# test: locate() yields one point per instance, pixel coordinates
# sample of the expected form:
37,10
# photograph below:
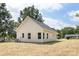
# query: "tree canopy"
32,12
68,30
6,25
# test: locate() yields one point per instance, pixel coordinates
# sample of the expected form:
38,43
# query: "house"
72,36
31,30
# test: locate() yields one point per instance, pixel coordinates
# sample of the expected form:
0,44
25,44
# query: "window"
22,35
29,35
39,35
43,35
47,35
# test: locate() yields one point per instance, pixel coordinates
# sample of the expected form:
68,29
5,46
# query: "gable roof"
44,26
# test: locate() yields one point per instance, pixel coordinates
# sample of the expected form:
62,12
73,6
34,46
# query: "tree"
77,30
31,12
77,15
67,30
11,29
59,34
6,25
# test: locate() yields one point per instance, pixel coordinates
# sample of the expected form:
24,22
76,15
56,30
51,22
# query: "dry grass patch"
66,47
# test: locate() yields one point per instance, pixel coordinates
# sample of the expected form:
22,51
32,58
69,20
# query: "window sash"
43,35
22,35
39,35
29,35
47,35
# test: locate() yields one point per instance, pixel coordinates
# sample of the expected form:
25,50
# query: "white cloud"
16,5
73,16
55,23
41,4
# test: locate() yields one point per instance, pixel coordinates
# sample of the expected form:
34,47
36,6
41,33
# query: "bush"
68,38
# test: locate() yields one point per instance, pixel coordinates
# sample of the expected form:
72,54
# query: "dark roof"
43,25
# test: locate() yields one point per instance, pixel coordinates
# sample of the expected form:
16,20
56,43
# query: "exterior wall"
51,37
29,27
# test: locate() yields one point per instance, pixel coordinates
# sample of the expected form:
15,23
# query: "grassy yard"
65,47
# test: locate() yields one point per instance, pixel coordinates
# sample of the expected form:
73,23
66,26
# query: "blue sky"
63,14
56,15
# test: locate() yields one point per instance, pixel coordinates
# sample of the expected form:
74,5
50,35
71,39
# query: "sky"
55,15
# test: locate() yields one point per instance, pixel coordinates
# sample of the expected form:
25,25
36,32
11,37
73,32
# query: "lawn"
65,47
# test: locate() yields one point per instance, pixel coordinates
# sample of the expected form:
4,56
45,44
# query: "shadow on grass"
43,43
2,41
49,43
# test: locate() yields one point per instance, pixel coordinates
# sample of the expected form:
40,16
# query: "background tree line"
67,30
